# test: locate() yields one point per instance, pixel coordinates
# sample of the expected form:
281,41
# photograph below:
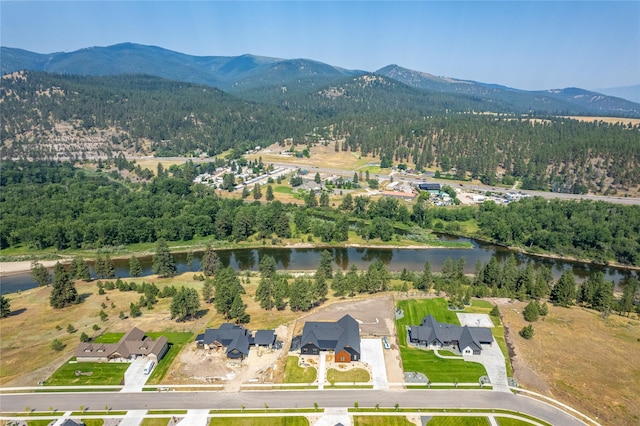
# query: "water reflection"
308,259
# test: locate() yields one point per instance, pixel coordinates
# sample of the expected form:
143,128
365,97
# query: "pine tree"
40,274
531,312
265,293
135,269
185,304
338,284
63,292
207,290
5,307
270,196
238,310
257,192
320,288
564,292
164,264
280,292
299,295
79,269
210,261
326,263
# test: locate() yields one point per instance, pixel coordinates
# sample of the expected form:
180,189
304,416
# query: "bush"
527,332
495,312
84,337
71,329
96,327
57,345
531,312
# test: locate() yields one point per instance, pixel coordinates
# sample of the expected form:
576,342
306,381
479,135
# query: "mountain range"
276,80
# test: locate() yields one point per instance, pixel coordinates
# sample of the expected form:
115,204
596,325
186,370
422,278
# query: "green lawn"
259,421
296,374
155,422
416,310
438,369
93,422
353,375
282,189
381,421
426,362
104,373
507,421
108,338
459,421
176,342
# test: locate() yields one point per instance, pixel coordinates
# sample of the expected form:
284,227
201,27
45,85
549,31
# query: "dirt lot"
580,359
204,366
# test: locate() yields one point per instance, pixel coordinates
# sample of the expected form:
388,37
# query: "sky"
526,45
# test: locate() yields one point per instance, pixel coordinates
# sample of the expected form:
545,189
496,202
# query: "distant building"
342,337
432,188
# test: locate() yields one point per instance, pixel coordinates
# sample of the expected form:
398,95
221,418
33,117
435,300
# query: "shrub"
57,345
71,329
527,332
84,337
495,312
531,312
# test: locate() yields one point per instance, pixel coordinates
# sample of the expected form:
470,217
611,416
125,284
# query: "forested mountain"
251,75
560,101
47,116
52,116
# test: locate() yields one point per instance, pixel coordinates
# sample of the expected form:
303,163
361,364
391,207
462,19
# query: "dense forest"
50,116
77,207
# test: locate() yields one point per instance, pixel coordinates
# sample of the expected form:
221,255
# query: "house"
132,345
234,339
341,337
468,340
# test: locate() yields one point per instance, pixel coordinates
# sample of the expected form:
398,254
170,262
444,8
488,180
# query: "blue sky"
527,45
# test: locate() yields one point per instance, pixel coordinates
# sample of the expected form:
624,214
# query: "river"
396,259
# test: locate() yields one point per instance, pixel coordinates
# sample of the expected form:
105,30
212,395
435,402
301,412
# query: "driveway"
134,377
371,353
493,362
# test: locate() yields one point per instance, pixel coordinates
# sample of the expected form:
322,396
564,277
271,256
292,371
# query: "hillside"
252,76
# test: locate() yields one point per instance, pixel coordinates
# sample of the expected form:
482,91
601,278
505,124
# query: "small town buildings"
234,340
432,188
468,340
342,337
132,345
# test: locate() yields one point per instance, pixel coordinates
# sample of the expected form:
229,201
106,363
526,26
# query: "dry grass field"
609,120
324,156
580,359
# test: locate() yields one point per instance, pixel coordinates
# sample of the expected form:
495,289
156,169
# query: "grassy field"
259,421
599,378
381,421
104,373
353,375
296,374
458,421
108,338
155,422
507,421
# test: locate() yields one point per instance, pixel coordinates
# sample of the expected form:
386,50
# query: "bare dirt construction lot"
196,365
581,359
376,317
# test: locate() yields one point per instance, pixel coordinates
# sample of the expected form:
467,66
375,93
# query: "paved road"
465,399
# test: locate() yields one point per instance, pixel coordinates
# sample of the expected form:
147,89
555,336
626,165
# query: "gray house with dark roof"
468,340
234,339
342,337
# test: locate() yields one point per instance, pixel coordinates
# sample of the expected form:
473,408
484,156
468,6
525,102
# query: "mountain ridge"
251,74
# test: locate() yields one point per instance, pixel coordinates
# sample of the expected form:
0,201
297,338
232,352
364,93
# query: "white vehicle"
148,367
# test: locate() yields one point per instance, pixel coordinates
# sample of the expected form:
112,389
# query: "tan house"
134,344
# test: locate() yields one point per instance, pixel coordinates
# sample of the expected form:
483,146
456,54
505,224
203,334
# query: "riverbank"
8,268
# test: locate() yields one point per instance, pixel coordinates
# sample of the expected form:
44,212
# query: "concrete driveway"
493,362
371,353
134,377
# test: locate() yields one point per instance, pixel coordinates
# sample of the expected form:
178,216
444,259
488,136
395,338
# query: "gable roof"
431,331
134,342
235,338
344,333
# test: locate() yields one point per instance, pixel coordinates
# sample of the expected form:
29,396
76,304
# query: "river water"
294,259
